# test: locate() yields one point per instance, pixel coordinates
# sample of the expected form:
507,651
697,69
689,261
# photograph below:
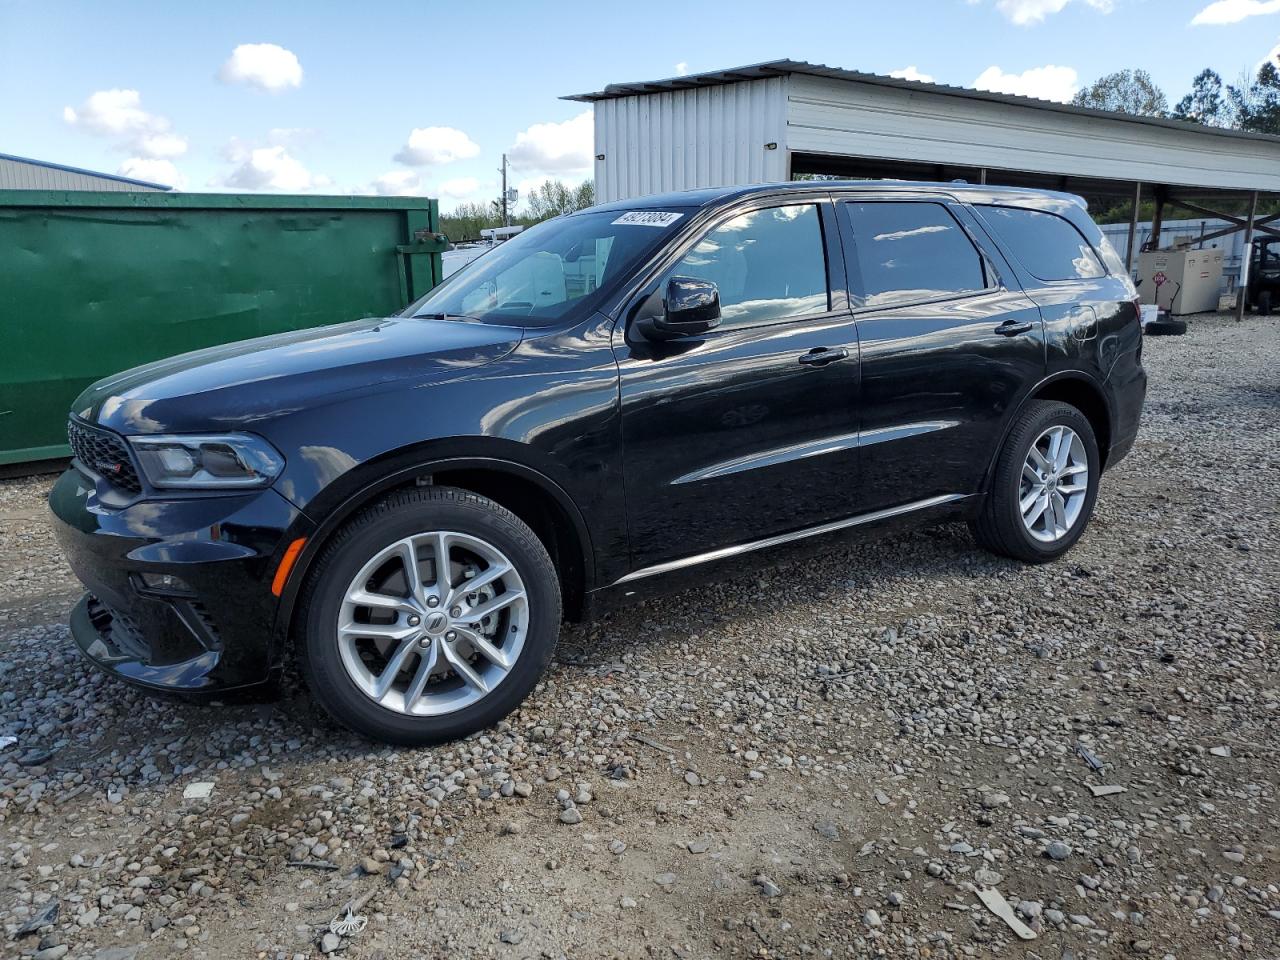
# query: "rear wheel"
1044,487
430,616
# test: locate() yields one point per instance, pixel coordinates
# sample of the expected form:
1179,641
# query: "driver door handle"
821,356
1011,328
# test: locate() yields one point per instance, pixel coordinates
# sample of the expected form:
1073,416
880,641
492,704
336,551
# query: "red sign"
1160,279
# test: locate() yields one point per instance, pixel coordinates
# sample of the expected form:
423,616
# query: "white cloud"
410,183
266,66
160,145
153,171
556,148
1233,11
911,73
274,169
283,136
458,188
1026,12
398,183
118,114
682,69
238,150
429,146
1044,83
114,113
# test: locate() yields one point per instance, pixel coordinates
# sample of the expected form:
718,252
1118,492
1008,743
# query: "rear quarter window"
1049,246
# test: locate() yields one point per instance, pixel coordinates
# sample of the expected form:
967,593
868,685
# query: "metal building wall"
683,139
846,118
20,175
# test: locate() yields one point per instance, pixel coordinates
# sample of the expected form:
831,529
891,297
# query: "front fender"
362,486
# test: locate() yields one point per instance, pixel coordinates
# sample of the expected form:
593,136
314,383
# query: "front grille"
105,454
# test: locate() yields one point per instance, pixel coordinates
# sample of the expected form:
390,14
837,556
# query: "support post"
1246,256
982,176
1133,227
1157,221
506,213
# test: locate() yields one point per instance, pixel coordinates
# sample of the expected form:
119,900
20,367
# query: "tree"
1206,103
1125,91
553,197
550,199
1256,101
467,220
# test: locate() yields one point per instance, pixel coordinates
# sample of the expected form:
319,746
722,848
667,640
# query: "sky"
424,98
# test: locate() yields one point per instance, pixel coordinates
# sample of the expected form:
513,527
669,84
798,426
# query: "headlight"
206,461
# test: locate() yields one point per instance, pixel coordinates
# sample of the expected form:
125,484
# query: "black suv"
410,505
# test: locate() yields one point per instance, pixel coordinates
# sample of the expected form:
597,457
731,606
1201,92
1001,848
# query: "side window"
908,252
1270,255
768,264
1049,246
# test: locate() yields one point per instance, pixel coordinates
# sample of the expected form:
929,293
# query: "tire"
340,669
1165,328
1264,303
999,526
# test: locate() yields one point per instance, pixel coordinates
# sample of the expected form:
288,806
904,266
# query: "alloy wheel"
433,623
1054,484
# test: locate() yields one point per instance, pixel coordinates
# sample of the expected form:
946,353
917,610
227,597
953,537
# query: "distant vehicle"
464,253
613,400
1264,275
501,233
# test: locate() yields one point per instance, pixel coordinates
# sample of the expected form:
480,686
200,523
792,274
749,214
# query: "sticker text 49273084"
649,218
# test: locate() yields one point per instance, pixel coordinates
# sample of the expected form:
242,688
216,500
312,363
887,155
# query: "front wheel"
430,616
1044,487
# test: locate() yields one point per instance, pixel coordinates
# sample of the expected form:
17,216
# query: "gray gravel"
828,757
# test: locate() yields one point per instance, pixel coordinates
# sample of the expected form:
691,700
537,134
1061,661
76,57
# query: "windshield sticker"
650,218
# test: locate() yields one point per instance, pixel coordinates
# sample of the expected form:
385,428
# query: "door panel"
937,385
749,430
940,375
732,437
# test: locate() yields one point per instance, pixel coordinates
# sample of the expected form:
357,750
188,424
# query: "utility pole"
506,216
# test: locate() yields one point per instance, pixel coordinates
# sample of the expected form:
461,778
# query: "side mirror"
689,307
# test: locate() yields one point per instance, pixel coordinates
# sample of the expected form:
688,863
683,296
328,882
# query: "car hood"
236,385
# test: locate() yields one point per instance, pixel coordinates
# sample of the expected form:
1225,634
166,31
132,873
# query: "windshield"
552,272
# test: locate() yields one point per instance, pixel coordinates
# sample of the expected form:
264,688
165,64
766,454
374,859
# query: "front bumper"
180,589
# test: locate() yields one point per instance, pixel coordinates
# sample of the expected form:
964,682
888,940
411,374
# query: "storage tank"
1180,281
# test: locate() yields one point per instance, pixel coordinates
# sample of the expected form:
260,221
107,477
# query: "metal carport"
786,118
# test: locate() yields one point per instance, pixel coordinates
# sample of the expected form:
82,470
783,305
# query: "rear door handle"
821,356
1011,328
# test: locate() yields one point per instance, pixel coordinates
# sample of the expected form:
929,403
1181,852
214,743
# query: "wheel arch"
1076,390
524,490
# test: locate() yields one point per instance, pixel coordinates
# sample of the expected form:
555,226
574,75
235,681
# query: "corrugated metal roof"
776,68
23,173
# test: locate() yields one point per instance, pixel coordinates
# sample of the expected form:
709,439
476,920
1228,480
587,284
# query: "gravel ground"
829,757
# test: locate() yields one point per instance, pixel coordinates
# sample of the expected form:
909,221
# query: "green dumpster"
94,283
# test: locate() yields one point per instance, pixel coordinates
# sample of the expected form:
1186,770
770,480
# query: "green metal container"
94,283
